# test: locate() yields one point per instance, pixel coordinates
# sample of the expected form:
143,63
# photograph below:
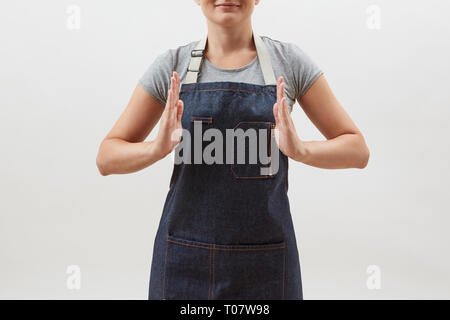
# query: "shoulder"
294,64
275,44
172,59
155,78
288,51
176,54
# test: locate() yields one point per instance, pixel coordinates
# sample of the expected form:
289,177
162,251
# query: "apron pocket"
187,271
195,270
254,149
249,272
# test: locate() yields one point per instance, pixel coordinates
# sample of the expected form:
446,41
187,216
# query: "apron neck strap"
263,56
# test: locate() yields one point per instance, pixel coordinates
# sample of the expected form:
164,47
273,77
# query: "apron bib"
226,230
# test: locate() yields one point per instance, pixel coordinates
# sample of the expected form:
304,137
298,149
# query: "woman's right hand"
170,129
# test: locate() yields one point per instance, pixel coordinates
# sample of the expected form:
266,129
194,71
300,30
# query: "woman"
226,230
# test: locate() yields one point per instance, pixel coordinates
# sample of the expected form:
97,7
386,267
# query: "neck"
228,40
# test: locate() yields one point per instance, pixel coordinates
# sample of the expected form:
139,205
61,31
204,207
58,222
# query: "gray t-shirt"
288,60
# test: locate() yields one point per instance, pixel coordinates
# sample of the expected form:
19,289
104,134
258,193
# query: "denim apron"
226,230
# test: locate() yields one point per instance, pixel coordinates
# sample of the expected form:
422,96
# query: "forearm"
344,151
117,156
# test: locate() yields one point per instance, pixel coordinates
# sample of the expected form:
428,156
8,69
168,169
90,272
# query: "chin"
226,20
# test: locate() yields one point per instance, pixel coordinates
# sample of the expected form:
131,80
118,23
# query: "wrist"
156,151
302,151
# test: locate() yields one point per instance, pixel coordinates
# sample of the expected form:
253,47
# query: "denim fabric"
225,231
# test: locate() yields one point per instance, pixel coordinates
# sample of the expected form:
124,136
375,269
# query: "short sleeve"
305,70
156,79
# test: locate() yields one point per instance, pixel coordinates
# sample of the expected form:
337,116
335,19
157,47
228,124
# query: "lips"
227,5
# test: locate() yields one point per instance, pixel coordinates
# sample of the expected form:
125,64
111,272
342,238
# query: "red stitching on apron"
225,89
226,249
212,282
210,273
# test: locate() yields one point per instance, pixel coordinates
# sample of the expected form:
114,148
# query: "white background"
61,91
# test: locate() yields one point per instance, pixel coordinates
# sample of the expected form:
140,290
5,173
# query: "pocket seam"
211,273
223,247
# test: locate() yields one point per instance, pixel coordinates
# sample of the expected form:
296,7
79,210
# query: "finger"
285,108
287,114
289,117
171,101
275,114
180,110
177,86
282,113
279,82
172,87
170,97
168,108
173,116
282,90
178,80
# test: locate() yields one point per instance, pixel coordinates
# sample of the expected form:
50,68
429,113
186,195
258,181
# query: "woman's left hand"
285,133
